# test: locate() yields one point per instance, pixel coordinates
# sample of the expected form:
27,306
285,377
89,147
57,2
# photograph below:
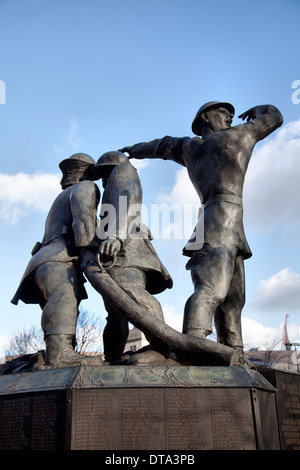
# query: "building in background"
288,359
136,340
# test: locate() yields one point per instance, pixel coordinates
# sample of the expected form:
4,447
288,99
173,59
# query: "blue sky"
93,76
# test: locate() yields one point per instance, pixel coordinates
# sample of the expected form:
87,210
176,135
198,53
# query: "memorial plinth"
138,408
288,406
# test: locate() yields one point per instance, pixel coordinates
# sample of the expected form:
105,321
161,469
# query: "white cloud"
271,195
180,207
256,335
279,293
182,192
139,164
294,333
21,194
172,317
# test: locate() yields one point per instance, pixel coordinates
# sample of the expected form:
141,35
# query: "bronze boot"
60,353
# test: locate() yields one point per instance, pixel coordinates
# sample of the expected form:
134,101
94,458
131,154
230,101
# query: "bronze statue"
127,271
53,277
125,241
216,164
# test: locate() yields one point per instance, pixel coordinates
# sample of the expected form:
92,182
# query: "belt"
224,198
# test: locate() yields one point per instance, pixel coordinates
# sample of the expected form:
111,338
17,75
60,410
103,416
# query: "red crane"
285,341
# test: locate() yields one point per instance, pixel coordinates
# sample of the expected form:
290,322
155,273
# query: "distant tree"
271,351
88,337
89,333
25,342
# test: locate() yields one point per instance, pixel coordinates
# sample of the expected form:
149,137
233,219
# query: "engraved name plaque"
34,422
174,419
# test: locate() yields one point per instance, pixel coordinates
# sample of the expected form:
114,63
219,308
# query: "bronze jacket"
70,225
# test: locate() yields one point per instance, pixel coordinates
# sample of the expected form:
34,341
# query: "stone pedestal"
288,406
138,408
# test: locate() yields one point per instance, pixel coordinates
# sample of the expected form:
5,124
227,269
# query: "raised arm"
167,148
265,119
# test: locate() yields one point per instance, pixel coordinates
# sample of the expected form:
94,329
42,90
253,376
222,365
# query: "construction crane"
285,341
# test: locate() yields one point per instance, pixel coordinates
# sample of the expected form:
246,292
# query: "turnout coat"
70,226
